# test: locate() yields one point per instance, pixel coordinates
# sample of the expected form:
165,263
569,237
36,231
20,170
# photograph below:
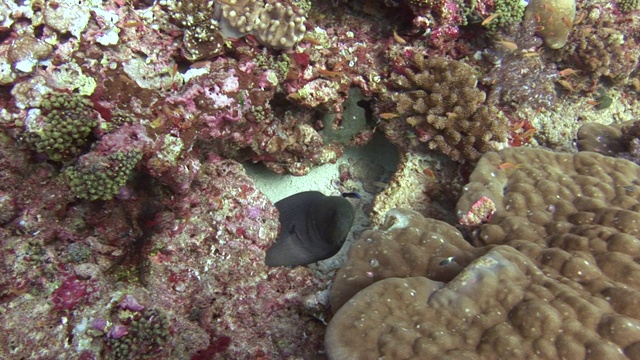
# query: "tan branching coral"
276,25
553,274
438,104
208,22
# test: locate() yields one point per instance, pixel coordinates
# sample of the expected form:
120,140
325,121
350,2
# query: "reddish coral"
70,293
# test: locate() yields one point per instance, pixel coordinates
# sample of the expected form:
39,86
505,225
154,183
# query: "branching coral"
436,101
553,274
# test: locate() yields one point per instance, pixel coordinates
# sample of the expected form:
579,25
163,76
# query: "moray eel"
313,227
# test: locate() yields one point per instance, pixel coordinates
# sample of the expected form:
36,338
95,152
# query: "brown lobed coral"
437,103
553,274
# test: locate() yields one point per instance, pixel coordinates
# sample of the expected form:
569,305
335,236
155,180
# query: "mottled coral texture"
518,79
619,140
232,107
552,274
604,47
205,273
437,103
201,30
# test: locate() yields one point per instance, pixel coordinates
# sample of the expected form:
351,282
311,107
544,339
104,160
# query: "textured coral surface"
127,222
553,273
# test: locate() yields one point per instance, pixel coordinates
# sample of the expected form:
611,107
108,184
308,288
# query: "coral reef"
101,173
428,185
123,126
628,5
437,101
604,48
506,13
139,333
208,23
236,118
561,241
277,25
206,274
202,37
410,245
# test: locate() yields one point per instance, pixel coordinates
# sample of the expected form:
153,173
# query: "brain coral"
553,273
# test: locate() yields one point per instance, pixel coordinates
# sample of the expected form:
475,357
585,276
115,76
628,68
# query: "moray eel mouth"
313,227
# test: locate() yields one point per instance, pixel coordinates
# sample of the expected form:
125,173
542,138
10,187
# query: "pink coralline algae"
117,331
70,294
130,303
481,212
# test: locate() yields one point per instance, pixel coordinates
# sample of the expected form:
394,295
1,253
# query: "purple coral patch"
69,294
117,331
130,303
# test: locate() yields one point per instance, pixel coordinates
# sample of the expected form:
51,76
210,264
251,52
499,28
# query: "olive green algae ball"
553,18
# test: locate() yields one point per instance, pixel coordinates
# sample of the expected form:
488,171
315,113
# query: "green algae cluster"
78,252
145,337
100,178
66,123
628,5
510,12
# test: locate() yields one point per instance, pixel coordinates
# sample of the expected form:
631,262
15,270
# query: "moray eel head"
313,227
